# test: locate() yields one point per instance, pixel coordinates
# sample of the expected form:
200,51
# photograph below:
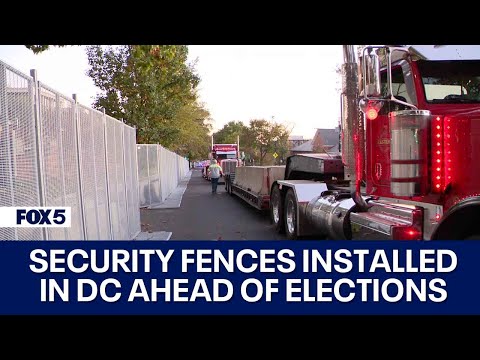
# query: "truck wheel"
290,217
276,210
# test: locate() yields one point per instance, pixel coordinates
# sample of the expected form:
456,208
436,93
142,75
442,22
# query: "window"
399,88
451,81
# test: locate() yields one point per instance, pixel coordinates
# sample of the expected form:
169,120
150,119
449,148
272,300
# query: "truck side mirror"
371,74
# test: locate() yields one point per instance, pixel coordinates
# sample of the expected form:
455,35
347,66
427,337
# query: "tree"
193,140
266,138
37,49
153,88
230,133
147,85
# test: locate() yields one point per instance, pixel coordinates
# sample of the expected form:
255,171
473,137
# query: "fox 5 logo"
35,217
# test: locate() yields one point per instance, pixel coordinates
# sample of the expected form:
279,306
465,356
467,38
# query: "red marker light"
372,114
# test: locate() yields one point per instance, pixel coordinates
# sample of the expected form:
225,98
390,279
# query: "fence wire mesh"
55,152
19,180
159,172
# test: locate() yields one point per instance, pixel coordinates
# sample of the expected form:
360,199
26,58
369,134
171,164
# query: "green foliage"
193,140
267,138
37,49
230,133
259,140
152,87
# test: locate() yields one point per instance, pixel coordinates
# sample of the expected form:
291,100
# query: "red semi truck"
410,144
227,156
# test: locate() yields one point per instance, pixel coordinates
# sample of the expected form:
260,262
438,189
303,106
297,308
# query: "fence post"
107,170
159,168
62,165
39,148
125,168
136,182
148,177
79,164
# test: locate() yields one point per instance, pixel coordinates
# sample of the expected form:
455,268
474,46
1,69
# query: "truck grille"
229,167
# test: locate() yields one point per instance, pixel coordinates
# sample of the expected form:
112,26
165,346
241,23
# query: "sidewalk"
206,216
174,200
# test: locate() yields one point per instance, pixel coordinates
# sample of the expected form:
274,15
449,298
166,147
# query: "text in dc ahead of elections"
239,278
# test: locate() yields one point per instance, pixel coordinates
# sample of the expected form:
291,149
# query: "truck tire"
290,217
276,210
228,184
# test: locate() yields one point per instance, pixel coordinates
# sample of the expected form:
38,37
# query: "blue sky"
294,85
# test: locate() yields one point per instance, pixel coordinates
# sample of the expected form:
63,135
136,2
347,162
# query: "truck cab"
432,163
410,144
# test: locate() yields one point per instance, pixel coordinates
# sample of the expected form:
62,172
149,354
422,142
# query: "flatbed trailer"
252,184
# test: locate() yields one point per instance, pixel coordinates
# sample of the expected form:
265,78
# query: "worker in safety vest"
215,172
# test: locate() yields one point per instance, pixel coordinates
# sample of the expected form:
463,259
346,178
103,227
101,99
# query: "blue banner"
239,278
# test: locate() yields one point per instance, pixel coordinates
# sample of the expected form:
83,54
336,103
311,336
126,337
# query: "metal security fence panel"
172,172
103,221
154,175
87,173
55,152
127,159
159,172
112,175
19,178
135,225
162,158
71,175
165,169
131,181
143,179
121,186
119,177
60,160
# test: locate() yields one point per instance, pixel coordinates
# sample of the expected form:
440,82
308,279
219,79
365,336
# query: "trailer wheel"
290,215
276,210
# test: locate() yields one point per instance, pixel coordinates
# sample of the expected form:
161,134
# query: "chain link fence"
55,152
159,171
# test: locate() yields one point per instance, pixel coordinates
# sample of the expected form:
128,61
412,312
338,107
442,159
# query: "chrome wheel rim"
290,217
275,210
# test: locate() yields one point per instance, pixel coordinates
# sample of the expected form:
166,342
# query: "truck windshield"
447,82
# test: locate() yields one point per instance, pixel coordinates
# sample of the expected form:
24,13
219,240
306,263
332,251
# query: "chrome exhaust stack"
353,132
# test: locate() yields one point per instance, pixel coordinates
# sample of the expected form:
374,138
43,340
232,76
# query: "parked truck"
228,157
410,146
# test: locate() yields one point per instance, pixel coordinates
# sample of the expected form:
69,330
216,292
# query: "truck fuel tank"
329,214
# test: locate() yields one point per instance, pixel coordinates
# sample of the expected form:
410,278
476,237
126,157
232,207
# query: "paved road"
206,216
